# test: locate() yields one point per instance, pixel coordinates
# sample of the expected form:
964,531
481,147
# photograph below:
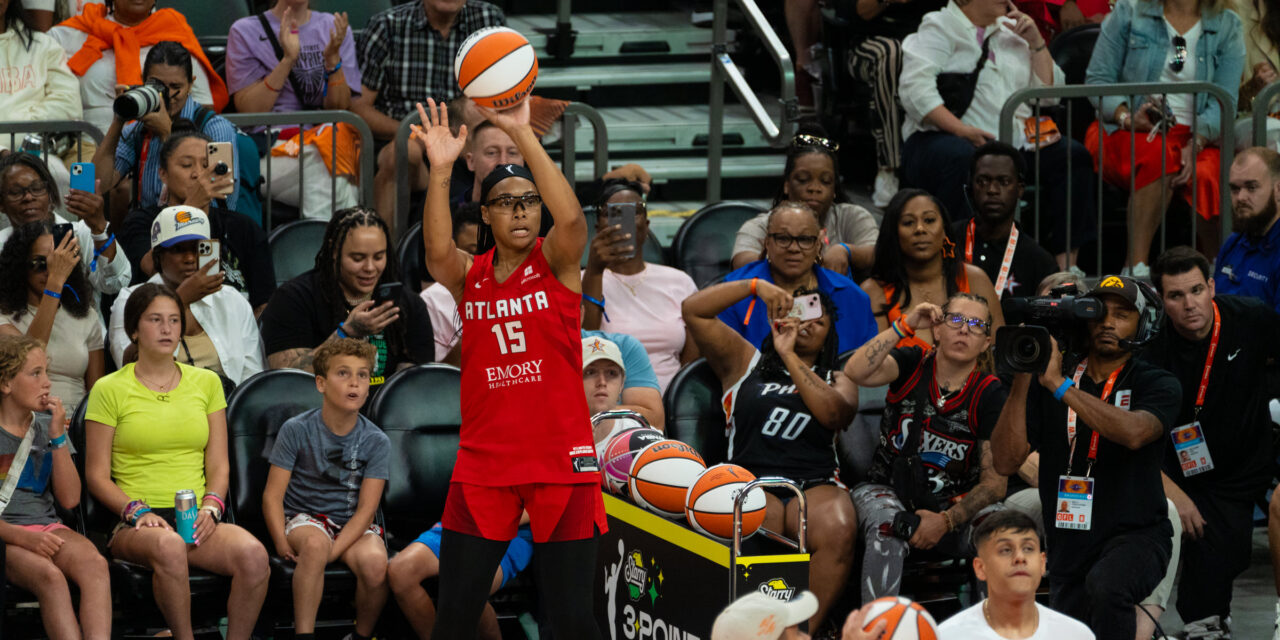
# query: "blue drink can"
184,513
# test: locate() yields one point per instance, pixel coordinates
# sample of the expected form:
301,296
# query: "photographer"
931,475
1100,435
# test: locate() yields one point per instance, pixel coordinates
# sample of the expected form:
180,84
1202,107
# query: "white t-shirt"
70,342
971,624
646,306
445,322
71,7
1182,104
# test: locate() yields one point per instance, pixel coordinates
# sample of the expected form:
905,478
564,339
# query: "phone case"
82,177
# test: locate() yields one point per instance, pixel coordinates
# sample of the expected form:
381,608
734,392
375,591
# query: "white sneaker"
886,187
1211,628
1276,635
1077,272
1140,270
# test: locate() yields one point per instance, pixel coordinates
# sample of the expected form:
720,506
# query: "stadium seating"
1072,50
411,256
358,13
694,413
294,247
703,246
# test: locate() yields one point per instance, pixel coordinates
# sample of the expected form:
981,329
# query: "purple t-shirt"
250,58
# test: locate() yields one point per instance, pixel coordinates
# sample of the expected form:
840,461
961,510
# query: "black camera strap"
275,44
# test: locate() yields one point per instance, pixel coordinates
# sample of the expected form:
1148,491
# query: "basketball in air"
619,453
907,620
661,475
496,67
709,502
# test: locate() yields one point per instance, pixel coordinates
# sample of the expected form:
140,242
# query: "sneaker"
1211,628
1140,270
886,187
1276,635
1077,272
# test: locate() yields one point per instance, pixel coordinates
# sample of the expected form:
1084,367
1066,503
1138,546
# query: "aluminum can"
184,514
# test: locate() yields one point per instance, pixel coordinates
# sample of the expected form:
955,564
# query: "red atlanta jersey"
524,415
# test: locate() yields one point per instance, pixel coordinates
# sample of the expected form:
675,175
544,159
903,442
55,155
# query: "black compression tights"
562,573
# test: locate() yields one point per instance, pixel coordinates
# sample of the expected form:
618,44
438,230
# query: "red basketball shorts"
557,512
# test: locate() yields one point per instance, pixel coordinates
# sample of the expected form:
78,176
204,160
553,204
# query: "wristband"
58,442
599,303
340,332
93,264
752,306
951,524
336,69
1039,48
216,498
1062,389
268,85
99,237
214,513
139,513
894,325
53,294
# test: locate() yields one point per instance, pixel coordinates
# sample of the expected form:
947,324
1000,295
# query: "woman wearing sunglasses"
1164,41
932,475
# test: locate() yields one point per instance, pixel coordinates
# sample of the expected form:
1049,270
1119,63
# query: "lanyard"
142,160
1003,275
1071,419
1208,361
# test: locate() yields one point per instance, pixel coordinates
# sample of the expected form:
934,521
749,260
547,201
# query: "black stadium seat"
1072,50
694,413
703,246
411,255
294,247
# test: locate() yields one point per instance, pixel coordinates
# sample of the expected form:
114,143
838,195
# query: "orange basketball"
709,503
661,475
907,620
496,67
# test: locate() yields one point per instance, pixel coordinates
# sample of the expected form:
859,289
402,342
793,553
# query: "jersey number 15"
513,342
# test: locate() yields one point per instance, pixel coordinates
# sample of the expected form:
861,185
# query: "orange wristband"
268,85
751,307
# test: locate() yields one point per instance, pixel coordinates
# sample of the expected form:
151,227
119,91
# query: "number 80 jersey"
524,413
772,433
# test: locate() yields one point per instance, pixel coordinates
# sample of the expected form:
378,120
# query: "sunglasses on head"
806,140
1179,54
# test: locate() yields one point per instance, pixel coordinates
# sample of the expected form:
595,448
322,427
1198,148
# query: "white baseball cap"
179,223
597,348
757,615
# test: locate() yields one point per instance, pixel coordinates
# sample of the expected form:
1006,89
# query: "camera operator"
1224,426
1100,434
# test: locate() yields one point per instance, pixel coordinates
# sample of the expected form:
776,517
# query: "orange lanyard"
1005,264
1071,419
1208,361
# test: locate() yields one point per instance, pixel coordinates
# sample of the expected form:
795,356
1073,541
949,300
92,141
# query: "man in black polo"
991,240
1220,459
1100,426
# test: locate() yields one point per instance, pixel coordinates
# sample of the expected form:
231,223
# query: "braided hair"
328,263
772,368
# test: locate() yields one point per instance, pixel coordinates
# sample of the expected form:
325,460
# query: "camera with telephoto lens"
1060,315
138,101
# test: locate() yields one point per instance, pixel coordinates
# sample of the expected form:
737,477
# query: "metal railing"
724,71
78,127
1136,94
568,129
275,121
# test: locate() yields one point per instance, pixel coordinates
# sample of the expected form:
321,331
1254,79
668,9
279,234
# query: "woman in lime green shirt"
156,427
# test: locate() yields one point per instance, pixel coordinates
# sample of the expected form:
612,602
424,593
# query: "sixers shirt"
772,433
524,416
948,428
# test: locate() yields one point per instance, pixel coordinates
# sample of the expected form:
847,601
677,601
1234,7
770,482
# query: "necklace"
162,394
632,288
986,613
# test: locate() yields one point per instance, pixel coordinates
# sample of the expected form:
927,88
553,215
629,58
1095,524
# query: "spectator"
942,133
877,61
44,554
1209,343
1010,559
792,260
644,297
27,195
220,332
135,26
40,14
992,240
310,65
328,469
134,469
45,295
406,56
931,478
1105,450
916,260
765,617
1248,263
41,87
1260,33
1164,41
812,176
335,300
640,392
487,148
604,371
771,395
445,322
133,150
184,171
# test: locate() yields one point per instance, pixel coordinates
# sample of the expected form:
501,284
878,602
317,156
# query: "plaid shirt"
405,60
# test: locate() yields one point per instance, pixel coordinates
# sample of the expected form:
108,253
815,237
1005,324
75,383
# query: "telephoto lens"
140,100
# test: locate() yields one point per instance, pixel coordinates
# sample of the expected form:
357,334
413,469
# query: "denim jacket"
1134,46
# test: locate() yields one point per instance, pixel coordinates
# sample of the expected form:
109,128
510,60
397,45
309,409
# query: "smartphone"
624,215
209,251
806,307
60,231
387,291
905,524
220,153
82,177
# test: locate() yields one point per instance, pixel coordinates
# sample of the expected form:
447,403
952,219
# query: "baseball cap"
757,615
179,223
1124,287
597,348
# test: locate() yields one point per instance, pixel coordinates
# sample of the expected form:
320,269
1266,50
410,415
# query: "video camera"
1026,349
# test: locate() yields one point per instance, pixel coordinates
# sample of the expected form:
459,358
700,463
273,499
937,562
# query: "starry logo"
778,588
635,575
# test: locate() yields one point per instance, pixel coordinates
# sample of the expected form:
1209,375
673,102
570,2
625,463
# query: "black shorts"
787,495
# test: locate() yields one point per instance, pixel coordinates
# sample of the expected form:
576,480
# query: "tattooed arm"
832,405
869,366
364,320
990,488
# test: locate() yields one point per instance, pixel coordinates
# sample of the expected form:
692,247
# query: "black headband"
500,173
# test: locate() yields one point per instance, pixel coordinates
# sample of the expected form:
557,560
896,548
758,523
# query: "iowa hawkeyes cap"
761,616
179,223
1122,286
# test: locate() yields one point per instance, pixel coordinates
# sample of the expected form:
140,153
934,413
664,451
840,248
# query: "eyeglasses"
509,202
37,189
38,264
1179,54
975,325
785,241
1004,182
806,140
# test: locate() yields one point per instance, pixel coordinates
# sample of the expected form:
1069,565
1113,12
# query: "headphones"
1150,316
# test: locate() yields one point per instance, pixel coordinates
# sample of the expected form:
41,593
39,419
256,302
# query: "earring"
948,248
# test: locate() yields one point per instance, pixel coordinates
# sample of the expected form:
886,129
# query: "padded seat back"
96,518
420,411
703,245
694,413
411,255
294,247
1072,50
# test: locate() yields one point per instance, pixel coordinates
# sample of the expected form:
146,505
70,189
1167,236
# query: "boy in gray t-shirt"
328,469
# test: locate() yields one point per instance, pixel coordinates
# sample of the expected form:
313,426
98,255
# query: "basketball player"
526,435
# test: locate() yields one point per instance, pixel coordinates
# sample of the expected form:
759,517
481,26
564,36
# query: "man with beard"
992,241
1249,261
1100,426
